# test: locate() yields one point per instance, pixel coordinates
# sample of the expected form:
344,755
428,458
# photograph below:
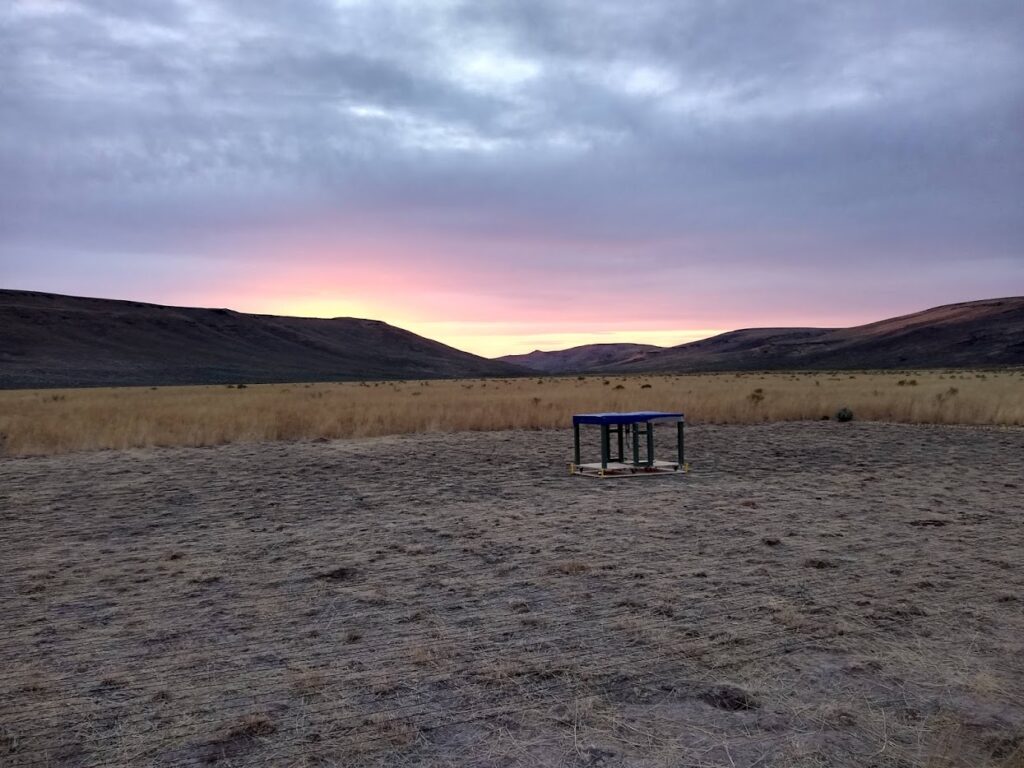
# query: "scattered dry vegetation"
57,421
810,595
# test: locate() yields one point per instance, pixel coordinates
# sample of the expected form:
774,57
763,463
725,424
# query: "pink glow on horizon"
500,296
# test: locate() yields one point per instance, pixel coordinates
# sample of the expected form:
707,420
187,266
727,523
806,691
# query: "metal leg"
605,446
622,455
636,445
576,444
650,444
679,442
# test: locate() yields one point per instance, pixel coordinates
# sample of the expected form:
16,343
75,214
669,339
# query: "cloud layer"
524,169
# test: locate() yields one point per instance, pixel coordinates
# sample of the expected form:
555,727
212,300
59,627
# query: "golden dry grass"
35,422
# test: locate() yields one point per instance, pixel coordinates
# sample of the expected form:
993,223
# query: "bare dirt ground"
811,594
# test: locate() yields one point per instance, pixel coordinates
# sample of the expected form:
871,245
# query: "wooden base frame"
621,469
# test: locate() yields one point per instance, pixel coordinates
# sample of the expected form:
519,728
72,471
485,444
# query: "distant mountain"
47,340
974,333
578,359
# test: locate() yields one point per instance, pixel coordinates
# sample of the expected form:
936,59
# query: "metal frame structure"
638,424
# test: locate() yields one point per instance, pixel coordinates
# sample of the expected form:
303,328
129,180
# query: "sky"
511,175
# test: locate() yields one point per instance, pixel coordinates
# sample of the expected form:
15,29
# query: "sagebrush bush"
844,414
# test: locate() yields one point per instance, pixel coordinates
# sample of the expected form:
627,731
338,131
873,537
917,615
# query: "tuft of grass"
519,606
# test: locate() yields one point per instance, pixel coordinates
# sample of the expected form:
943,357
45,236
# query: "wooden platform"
619,469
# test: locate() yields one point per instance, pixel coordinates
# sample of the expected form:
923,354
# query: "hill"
577,359
971,334
48,340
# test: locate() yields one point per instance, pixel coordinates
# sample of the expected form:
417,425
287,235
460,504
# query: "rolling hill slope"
577,359
47,340
972,334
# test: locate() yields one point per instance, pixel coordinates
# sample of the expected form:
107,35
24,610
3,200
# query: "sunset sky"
505,176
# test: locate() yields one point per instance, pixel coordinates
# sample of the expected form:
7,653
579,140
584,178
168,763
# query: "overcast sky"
511,175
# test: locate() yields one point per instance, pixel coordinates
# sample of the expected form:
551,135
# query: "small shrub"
619,386
645,386
844,414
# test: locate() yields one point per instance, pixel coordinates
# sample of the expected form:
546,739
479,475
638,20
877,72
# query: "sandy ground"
811,594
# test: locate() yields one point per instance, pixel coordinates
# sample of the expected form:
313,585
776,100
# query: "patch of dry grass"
811,594
36,422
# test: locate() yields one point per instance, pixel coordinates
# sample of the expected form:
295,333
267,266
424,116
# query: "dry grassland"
810,595
57,421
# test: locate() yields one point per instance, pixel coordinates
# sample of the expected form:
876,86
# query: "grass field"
57,421
810,595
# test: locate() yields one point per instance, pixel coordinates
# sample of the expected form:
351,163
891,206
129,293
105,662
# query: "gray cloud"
808,134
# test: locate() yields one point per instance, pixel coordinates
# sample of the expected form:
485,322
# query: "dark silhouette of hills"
986,333
48,340
579,359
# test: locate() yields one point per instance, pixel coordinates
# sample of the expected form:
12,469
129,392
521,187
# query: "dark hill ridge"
972,334
48,340
578,359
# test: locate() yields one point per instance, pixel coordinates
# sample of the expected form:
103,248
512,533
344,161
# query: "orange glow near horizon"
514,302
489,309
488,339
480,340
